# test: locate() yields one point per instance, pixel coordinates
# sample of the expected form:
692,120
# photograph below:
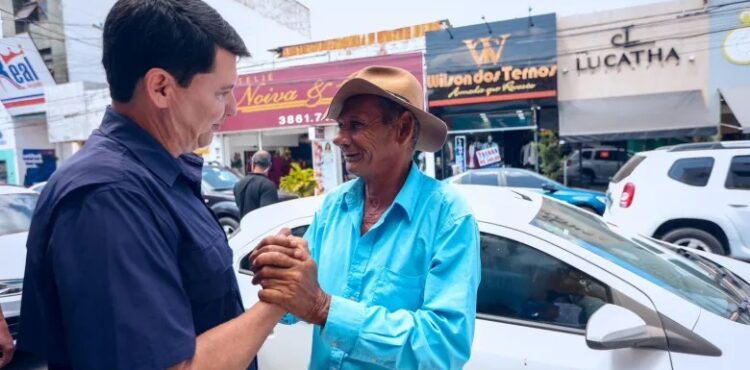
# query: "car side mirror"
550,187
615,327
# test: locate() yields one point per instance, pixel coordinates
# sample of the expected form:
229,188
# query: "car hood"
12,255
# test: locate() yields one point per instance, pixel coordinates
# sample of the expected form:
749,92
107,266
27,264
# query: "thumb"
285,231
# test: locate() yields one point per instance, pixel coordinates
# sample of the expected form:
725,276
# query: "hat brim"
433,131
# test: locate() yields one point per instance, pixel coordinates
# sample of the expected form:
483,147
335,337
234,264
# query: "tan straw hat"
400,86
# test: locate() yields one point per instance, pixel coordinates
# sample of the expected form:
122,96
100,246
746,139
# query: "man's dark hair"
180,36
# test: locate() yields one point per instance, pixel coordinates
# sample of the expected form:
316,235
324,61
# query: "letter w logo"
487,54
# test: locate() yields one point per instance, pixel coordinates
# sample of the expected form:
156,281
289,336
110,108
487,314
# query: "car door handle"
738,205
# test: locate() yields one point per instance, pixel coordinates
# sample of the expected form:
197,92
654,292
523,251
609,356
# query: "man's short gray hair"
262,159
392,111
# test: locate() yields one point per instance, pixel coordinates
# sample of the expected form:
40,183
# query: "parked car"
16,208
589,200
692,195
596,165
560,289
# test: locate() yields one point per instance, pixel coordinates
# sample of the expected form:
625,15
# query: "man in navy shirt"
126,267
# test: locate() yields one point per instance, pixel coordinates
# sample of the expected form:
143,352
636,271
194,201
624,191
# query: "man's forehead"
361,106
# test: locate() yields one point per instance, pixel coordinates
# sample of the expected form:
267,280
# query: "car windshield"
15,212
219,178
658,265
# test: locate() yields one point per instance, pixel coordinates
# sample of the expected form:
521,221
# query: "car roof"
697,147
508,207
13,189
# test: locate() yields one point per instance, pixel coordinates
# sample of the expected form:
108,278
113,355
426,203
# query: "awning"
645,116
738,100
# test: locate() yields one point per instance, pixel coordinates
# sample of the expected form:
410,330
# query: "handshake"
284,268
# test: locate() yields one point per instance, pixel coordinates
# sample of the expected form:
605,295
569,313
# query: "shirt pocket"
207,271
395,290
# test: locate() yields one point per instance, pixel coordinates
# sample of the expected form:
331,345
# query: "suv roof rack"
741,144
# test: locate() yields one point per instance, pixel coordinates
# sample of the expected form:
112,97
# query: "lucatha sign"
628,53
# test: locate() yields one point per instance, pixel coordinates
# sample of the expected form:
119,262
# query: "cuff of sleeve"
289,319
344,322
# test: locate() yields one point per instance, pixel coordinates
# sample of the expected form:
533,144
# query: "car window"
482,178
739,173
658,265
692,171
606,155
298,231
521,179
15,212
628,168
521,282
219,178
587,154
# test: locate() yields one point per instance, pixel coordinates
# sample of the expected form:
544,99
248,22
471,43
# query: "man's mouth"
352,157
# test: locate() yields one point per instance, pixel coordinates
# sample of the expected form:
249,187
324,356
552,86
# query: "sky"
335,18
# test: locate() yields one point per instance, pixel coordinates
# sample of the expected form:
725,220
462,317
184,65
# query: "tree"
550,154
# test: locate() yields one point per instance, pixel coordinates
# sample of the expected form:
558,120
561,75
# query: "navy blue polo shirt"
125,264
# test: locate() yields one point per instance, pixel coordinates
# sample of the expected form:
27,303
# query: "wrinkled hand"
284,268
6,344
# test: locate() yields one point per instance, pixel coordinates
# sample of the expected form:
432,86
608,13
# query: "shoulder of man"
451,203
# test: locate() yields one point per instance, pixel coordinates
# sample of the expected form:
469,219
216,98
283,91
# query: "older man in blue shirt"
392,278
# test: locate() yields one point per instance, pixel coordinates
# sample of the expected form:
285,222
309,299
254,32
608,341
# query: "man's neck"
151,123
381,190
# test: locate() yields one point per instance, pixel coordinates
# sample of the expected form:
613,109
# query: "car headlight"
10,287
601,199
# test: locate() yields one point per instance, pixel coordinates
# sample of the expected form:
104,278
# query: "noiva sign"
634,54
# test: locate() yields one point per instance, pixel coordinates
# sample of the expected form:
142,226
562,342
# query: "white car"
692,195
16,208
560,290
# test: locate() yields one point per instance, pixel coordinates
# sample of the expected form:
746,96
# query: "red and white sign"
23,76
299,96
488,156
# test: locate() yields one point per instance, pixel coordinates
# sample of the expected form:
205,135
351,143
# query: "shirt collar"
406,198
150,152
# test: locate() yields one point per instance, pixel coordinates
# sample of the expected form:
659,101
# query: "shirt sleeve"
269,195
436,336
120,289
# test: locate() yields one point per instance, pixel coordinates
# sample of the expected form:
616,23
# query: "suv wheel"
696,239
229,225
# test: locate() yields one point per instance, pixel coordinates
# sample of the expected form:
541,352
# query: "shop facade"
495,85
26,156
730,67
283,112
636,78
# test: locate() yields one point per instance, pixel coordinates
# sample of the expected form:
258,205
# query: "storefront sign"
628,53
23,76
299,96
506,60
488,156
40,164
400,34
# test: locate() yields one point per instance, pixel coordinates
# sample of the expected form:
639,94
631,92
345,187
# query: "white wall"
84,45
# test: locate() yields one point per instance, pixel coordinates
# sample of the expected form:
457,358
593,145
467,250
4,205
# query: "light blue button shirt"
404,294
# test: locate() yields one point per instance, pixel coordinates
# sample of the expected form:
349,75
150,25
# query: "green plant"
299,181
550,154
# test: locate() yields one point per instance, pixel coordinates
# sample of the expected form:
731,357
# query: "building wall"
675,24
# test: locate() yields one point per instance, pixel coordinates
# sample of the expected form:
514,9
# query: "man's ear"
406,126
160,87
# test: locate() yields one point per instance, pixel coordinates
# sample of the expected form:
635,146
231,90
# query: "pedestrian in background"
256,190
